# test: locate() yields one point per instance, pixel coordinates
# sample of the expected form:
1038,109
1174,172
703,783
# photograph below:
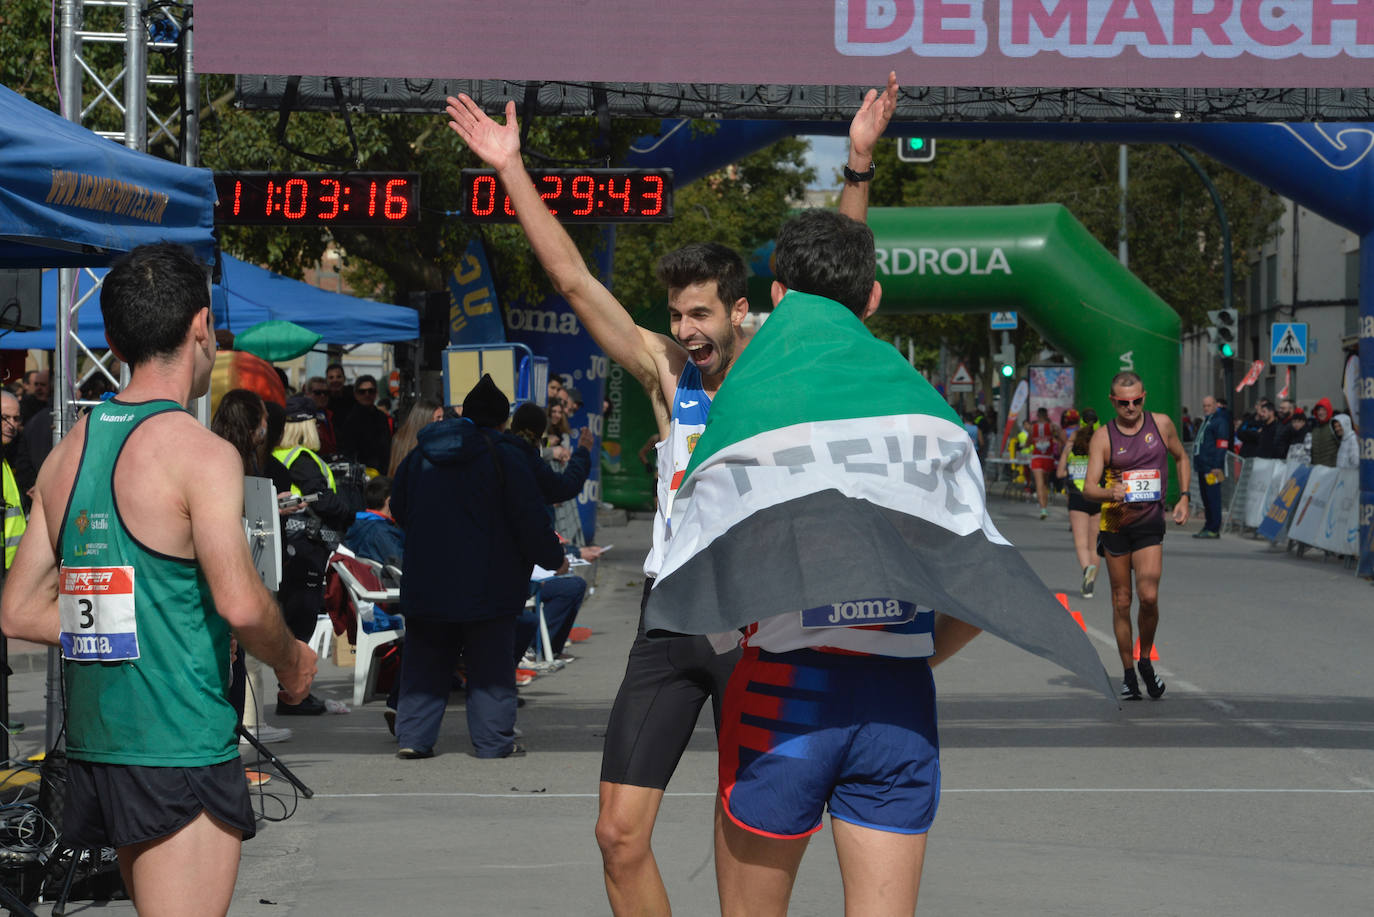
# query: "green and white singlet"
146,657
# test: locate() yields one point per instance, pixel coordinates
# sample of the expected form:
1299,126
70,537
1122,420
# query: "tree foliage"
741,206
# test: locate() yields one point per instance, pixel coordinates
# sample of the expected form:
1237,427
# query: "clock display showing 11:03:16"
318,198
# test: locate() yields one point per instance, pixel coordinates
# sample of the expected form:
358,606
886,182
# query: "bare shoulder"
1165,424
182,443
1100,438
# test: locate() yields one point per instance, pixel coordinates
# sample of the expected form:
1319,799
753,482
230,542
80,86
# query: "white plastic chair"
324,633
364,673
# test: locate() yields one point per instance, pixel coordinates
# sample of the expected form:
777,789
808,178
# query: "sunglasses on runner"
1130,402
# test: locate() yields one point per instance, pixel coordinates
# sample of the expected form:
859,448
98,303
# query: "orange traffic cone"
1154,651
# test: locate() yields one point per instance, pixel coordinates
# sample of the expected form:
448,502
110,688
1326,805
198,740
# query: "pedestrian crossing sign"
1288,343
1003,321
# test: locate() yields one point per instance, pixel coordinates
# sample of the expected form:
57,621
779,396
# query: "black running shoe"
1153,685
1130,687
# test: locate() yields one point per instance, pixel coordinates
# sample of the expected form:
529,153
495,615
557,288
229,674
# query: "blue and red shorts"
807,729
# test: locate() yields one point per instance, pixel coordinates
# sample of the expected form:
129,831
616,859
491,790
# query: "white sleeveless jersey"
690,406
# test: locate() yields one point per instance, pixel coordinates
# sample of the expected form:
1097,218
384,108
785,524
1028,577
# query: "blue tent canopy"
69,197
246,295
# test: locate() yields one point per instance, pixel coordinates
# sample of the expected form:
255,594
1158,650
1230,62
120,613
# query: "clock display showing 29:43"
575,195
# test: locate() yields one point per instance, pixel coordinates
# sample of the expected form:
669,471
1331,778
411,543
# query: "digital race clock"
575,195
372,199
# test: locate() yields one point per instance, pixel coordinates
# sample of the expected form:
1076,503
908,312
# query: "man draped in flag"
830,527
666,682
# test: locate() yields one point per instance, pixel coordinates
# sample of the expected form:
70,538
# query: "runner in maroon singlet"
1133,451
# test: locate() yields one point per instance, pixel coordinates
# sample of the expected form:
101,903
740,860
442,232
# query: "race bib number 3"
1143,486
96,609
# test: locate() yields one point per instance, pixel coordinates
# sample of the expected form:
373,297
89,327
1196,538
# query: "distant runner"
1133,450
1044,436
1083,513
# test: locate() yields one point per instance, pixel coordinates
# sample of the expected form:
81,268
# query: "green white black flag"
830,470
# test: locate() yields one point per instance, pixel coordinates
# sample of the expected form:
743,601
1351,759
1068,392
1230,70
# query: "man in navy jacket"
1210,446
475,526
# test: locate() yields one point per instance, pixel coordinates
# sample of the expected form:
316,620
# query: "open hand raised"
497,145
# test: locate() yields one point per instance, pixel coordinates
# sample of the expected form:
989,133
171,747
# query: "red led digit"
507,205
372,199
656,195
553,195
238,197
302,189
330,199
588,184
396,205
479,183
623,196
270,192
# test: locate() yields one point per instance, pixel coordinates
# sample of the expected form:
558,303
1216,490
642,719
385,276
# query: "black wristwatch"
851,175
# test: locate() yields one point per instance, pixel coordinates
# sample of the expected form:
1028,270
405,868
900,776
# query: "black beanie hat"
486,405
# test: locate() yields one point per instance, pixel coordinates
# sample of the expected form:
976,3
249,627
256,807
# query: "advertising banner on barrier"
1281,510
854,42
1328,513
1266,476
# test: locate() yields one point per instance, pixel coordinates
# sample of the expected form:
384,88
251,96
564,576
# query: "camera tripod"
274,761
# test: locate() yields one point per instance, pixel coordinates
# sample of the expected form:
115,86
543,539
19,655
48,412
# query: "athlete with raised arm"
666,682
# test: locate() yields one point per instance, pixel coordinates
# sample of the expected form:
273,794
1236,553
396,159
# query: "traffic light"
916,149
1224,331
1005,362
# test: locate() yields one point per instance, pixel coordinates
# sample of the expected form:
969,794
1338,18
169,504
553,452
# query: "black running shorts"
115,805
660,698
1081,504
1128,540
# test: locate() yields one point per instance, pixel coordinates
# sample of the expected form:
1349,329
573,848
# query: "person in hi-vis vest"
11,423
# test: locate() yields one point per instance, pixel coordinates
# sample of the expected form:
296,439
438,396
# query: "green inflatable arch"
1037,260
1041,262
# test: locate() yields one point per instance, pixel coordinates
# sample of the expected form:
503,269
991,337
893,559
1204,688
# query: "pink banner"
1071,43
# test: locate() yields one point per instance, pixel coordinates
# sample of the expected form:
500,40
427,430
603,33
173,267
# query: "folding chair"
352,570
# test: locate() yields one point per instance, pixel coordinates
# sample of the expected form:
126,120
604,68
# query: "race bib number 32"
1143,486
96,609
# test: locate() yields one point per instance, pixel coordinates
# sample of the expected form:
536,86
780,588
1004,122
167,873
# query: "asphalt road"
1247,790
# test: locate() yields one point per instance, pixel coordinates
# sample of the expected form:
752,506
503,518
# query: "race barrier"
1257,487
1313,506
1328,513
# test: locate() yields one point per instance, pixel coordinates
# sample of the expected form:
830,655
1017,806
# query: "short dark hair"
149,299
358,382
827,254
1125,379
700,262
375,492
338,366
529,417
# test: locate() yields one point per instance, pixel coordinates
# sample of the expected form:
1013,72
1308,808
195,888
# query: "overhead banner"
1106,43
